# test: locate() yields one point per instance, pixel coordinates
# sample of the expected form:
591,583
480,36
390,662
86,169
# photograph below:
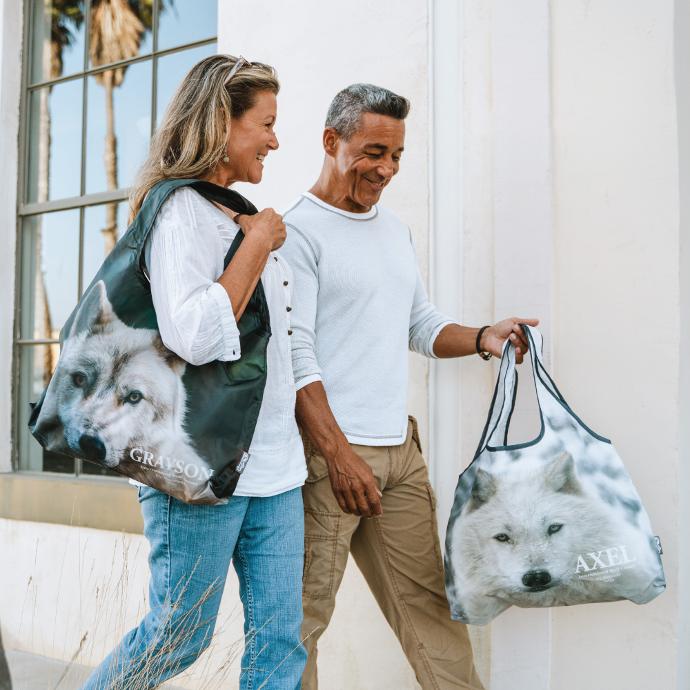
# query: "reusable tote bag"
120,399
552,522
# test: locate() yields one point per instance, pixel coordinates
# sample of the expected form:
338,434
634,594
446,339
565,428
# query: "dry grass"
214,668
162,656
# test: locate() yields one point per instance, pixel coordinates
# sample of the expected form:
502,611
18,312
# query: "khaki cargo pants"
399,556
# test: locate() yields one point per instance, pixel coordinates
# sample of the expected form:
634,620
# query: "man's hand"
494,337
354,484
352,481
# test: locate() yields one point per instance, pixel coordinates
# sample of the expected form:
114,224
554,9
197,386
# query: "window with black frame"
97,78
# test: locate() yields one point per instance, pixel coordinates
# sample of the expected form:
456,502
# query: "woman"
219,127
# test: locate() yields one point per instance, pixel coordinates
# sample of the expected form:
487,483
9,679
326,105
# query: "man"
359,303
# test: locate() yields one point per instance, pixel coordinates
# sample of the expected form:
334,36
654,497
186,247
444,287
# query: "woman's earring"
225,158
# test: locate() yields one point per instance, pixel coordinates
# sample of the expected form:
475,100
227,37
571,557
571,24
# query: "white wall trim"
682,87
491,220
523,264
10,80
445,236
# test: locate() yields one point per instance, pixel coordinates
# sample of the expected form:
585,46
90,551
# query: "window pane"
54,141
57,39
103,227
50,271
171,71
119,30
186,22
118,126
36,365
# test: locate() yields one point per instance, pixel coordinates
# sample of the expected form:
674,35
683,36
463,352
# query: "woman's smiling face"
251,138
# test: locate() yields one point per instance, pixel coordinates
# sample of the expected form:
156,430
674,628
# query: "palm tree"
62,20
116,28
115,33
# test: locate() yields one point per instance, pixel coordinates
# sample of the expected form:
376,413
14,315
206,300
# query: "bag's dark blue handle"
226,197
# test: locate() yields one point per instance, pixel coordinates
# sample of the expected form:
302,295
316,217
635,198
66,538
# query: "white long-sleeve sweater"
359,304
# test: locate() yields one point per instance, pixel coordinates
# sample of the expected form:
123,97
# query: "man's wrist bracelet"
482,353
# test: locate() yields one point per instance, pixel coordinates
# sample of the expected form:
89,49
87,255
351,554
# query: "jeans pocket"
144,492
321,531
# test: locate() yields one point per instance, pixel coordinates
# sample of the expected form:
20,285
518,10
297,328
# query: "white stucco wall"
616,303
570,213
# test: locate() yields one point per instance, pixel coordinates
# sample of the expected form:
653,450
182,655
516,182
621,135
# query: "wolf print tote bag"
119,398
556,521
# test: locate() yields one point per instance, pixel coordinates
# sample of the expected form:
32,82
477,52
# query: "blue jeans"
191,549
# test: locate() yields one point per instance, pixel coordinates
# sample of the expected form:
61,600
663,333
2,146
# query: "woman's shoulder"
186,207
186,201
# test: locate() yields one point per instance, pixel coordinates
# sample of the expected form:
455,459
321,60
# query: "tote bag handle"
553,408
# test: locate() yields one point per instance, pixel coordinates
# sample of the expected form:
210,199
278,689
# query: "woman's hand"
266,225
264,232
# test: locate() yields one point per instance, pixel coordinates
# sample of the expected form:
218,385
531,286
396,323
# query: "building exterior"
546,173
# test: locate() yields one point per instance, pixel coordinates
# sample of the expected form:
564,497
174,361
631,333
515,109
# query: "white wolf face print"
116,385
525,523
519,534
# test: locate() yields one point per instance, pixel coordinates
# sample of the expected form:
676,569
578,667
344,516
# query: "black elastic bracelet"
483,354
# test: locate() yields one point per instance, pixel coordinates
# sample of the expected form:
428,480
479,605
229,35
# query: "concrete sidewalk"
33,672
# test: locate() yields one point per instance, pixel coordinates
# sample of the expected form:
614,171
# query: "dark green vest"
119,398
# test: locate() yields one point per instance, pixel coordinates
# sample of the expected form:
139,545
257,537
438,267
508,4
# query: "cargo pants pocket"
434,527
415,432
321,532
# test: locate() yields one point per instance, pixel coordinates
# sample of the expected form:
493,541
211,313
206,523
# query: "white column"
682,85
492,248
10,89
523,260
446,239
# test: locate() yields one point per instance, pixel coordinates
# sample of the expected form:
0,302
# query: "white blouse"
184,255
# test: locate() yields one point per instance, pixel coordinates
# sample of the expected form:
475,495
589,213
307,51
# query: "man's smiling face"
366,163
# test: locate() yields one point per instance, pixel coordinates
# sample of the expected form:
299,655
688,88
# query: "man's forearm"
316,418
352,480
455,340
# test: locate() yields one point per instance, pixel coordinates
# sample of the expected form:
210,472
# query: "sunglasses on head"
241,62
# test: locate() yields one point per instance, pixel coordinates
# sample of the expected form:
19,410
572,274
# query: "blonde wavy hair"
192,137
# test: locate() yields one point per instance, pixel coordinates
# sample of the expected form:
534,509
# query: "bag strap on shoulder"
157,196
159,193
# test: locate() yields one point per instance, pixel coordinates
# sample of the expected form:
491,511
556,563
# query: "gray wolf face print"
118,396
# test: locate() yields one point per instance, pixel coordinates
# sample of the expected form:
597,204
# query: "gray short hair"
347,107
